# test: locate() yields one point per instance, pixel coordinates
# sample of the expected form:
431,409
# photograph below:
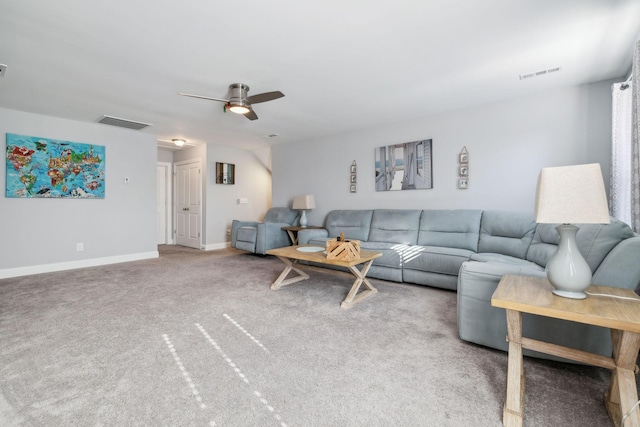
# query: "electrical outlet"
228,232
79,246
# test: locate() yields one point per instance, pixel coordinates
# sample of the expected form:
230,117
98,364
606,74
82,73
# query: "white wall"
252,182
165,155
508,143
220,202
40,235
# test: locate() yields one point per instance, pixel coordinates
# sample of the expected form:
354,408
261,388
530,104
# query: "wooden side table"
292,231
619,311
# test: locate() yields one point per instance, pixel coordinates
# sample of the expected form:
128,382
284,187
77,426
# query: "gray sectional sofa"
470,250
258,237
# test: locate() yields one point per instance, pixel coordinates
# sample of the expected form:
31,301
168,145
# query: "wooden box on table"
343,249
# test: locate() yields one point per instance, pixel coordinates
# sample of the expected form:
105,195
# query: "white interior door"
188,206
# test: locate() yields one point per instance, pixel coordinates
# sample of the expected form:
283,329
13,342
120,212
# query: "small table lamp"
303,203
570,194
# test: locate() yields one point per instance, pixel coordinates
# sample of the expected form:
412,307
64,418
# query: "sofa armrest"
271,235
305,236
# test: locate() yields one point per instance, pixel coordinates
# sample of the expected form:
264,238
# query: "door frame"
168,208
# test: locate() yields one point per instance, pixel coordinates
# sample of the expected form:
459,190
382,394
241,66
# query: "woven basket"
341,249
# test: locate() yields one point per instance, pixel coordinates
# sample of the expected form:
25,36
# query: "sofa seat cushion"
505,259
318,241
391,253
435,259
479,279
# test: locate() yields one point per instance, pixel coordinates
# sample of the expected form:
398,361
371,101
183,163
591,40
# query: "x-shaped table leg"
354,297
280,281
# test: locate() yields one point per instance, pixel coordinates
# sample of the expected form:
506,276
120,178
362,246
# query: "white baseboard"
214,246
61,266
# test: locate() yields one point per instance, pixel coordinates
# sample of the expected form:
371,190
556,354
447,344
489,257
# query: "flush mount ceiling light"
239,107
179,142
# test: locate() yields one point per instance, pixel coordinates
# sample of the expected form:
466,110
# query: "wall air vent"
540,73
123,123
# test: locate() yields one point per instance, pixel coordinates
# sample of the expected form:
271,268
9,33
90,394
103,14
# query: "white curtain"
625,152
635,143
620,194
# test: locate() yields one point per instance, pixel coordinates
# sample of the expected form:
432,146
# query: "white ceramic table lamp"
570,194
303,203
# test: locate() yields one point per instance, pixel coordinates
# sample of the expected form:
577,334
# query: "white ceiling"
343,65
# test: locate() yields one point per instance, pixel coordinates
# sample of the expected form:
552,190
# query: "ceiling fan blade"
264,97
203,97
251,115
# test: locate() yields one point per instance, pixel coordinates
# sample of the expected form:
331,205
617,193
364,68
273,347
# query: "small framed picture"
463,170
463,183
463,158
353,188
353,178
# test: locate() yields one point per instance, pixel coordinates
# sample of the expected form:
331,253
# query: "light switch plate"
3,70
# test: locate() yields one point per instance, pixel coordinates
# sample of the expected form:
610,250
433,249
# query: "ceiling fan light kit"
238,107
238,101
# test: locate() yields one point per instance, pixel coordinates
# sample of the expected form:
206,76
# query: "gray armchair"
259,237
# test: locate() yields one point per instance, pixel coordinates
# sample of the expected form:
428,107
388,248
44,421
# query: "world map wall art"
41,167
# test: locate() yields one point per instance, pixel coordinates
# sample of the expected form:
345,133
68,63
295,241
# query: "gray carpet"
198,339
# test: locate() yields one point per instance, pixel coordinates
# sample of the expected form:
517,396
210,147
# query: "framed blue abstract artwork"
41,167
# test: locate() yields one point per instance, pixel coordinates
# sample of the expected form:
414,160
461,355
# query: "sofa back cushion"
283,215
508,233
594,241
395,226
355,224
450,228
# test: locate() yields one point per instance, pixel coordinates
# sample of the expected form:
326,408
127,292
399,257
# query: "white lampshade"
571,194
306,201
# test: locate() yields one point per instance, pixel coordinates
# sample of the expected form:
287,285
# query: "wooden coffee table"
290,256
522,294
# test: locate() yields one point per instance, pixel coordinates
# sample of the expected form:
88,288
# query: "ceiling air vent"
123,123
540,73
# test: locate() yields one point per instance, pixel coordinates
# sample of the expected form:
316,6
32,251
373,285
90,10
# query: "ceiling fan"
238,101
